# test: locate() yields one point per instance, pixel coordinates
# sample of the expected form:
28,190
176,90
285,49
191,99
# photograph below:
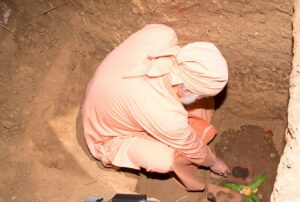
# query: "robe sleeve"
169,124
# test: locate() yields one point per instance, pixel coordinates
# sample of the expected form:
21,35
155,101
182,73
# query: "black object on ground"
240,172
129,198
211,197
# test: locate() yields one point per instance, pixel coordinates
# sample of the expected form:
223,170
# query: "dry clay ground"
45,65
42,153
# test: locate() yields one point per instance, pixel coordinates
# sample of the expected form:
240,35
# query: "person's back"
112,95
129,56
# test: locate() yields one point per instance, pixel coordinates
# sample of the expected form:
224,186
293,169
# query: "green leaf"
254,197
248,199
233,186
258,181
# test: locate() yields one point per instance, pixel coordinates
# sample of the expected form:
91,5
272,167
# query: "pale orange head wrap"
202,68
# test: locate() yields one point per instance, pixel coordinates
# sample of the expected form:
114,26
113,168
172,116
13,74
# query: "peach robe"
119,110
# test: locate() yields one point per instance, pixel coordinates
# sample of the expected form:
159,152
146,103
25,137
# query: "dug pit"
51,49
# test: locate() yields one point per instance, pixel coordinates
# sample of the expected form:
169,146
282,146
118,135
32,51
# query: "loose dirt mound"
252,146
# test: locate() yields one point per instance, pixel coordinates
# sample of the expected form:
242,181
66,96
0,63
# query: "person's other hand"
220,168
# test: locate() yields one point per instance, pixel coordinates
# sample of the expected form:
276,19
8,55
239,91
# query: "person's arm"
168,123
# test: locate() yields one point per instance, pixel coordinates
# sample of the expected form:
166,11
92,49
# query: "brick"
222,194
231,178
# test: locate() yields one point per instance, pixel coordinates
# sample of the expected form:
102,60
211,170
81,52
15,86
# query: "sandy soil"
253,146
50,56
44,71
233,146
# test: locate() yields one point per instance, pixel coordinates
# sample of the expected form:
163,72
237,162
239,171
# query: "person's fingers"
221,168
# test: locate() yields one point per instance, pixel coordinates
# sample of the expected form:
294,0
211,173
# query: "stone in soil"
4,13
216,193
7,124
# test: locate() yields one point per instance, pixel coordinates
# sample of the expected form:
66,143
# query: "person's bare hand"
220,168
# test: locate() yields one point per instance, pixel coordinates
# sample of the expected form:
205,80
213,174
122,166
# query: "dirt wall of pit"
254,36
286,187
56,46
